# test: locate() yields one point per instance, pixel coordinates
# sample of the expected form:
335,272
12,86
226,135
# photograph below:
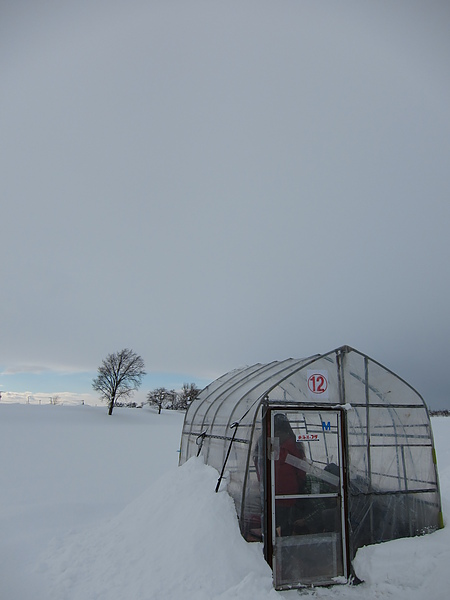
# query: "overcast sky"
217,183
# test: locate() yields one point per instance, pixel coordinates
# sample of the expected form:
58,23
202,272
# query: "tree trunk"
111,406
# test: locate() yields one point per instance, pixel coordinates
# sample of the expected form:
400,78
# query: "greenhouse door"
306,503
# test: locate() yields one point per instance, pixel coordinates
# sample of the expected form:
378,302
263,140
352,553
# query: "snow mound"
179,539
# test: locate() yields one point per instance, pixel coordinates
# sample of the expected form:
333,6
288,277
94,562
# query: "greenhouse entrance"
307,512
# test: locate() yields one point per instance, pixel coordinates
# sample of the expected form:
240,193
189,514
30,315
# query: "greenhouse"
322,455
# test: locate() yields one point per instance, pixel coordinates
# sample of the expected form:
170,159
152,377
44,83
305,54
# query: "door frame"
268,477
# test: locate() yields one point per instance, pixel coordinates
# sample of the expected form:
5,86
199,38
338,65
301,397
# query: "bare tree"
119,375
189,392
162,398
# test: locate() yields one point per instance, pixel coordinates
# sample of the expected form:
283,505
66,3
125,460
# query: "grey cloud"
215,184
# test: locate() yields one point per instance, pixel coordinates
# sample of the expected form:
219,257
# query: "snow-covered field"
95,508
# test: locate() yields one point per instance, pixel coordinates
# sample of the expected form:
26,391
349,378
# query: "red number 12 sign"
317,384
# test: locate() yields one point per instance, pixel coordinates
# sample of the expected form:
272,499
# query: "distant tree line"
439,413
170,399
120,375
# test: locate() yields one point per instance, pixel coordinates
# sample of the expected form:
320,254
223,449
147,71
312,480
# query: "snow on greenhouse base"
94,507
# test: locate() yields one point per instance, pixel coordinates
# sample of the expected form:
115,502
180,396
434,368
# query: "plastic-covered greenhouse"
321,455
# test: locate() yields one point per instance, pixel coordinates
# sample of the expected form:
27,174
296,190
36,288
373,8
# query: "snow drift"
178,539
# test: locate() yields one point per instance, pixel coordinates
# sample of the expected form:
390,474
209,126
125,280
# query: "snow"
95,507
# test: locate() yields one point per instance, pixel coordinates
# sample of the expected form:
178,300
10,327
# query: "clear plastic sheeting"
387,468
